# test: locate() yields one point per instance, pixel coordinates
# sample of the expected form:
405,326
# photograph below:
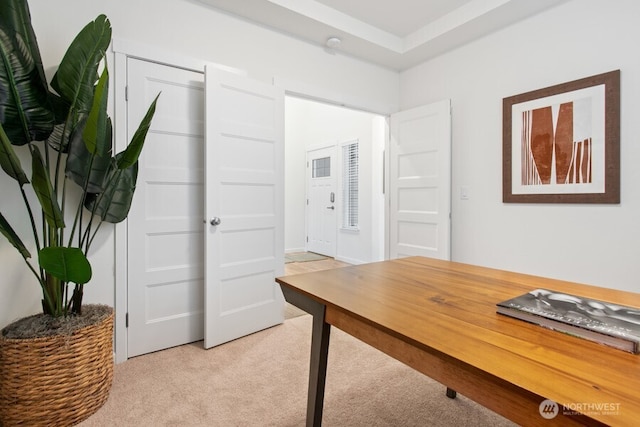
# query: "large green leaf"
61,111
66,264
78,71
81,163
96,127
13,238
9,162
133,150
25,110
44,190
114,203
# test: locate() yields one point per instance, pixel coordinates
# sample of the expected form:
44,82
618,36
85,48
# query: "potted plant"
76,185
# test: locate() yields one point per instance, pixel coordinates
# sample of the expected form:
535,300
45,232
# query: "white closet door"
165,228
244,206
420,182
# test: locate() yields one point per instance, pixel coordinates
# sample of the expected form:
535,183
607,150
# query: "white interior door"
244,206
420,182
165,228
321,201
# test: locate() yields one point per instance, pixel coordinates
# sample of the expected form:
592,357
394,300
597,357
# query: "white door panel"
165,229
420,182
321,209
244,188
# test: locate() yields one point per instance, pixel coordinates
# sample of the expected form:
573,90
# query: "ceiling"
396,34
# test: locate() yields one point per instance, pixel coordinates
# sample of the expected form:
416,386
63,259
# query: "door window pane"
322,167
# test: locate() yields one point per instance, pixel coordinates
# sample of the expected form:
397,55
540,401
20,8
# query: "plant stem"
34,229
45,293
93,237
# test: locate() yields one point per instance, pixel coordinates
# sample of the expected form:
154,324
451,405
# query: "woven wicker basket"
58,380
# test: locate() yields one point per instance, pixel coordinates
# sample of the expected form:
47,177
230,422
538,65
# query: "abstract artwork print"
557,144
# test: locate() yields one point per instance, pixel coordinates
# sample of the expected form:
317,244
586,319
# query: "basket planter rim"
109,312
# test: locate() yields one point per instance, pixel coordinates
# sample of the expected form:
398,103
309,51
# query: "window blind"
350,185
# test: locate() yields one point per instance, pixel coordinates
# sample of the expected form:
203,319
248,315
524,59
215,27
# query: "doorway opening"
316,179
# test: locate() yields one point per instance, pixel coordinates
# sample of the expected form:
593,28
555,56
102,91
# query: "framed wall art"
561,144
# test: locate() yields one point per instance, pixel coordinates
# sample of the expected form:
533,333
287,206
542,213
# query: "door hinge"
307,239
126,93
126,320
307,202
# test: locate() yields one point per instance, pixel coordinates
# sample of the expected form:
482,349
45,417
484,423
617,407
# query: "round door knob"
215,221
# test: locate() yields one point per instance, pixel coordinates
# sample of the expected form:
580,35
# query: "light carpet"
261,380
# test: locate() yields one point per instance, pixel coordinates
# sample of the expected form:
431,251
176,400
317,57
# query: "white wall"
191,29
311,124
295,157
589,244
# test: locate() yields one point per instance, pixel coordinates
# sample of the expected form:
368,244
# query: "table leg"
317,369
319,353
451,393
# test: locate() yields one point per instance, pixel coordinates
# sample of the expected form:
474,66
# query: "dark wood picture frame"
610,170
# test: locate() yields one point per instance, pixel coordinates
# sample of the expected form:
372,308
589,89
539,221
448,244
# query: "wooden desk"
440,318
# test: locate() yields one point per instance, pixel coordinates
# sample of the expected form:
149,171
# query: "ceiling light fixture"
333,42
